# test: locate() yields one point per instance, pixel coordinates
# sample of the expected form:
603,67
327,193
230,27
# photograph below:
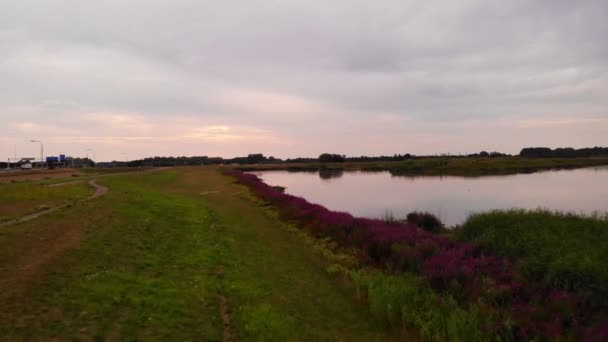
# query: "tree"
331,158
535,152
255,158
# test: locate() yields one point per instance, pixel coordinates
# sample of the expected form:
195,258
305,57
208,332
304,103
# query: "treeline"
256,158
259,158
568,152
337,158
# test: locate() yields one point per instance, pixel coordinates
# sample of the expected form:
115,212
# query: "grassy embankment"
113,170
18,199
181,254
564,250
445,166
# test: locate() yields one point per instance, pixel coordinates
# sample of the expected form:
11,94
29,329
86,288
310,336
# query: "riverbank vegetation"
545,152
383,162
443,166
565,251
476,291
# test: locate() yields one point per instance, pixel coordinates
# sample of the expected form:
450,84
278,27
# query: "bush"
279,188
567,251
331,158
426,221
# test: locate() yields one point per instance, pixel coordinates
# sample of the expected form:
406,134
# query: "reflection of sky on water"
451,198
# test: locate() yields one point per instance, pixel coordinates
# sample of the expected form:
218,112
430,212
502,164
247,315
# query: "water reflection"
328,174
451,198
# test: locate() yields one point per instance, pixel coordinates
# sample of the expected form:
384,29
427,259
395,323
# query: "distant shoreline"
448,166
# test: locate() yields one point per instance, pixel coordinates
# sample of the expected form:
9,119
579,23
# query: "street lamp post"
41,151
94,156
92,150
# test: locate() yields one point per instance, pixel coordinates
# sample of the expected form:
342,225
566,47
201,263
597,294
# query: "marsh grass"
458,166
566,250
488,166
389,217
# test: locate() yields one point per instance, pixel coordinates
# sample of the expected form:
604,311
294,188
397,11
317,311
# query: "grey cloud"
429,61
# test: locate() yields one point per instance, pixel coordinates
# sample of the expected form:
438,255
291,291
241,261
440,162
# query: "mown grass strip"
18,199
144,271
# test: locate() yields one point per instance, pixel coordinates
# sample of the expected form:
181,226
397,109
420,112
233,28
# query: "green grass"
402,301
406,301
17,199
149,260
482,166
111,170
280,290
445,165
145,271
565,250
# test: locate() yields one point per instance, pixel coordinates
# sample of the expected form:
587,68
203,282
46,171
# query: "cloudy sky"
136,78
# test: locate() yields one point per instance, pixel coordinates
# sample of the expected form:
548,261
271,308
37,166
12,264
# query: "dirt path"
57,185
33,248
224,313
100,190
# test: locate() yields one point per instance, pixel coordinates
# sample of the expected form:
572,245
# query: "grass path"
19,199
181,254
100,190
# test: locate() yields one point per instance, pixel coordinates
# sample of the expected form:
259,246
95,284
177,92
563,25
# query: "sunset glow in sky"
298,78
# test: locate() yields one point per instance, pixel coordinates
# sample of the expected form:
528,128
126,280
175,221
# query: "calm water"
451,198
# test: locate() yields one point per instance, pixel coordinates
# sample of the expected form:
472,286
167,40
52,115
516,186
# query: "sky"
127,79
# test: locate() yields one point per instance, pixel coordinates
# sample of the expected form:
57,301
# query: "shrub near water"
566,251
523,309
426,221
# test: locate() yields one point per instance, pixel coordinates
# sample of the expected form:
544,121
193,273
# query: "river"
451,198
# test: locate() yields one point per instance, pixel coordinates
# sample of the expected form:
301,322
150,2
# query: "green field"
112,170
18,199
181,254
